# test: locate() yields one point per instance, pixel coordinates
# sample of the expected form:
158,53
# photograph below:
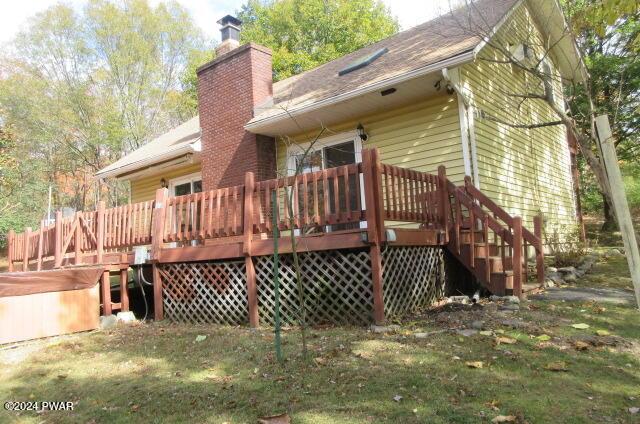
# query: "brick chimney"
229,87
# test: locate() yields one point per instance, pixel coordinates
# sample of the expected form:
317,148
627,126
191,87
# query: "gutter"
190,148
459,59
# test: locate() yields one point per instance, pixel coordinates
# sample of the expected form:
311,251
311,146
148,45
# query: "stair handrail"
513,235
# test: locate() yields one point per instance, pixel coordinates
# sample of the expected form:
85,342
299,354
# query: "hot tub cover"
25,283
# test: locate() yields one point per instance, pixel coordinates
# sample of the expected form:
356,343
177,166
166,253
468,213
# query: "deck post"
537,230
445,207
157,239
371,206
105,287
517,256
25,258
40,246
158,312
11,241
58,254
124,282
157,234
247,222
100,230
78,241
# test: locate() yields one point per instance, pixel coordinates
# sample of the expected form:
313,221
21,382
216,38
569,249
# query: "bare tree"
542,83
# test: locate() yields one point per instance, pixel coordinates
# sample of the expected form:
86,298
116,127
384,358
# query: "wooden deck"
362,205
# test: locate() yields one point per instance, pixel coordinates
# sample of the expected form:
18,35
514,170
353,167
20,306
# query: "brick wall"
228,89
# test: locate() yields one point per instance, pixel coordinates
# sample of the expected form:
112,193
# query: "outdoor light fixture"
360,131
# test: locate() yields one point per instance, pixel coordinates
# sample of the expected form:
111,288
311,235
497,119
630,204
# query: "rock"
459,299
549,282
490,307
421,335
566,270
384,328
511,299
126,317
108,321
570,278
614,253
513,323
555,277
579,272
552,269
477,325
467,332
510,307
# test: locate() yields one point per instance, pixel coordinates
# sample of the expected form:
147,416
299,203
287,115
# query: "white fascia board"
459,59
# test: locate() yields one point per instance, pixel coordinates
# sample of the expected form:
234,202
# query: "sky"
13,14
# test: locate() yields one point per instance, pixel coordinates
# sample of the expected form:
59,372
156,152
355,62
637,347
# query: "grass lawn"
159,373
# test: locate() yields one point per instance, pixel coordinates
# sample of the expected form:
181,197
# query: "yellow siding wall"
526,171
421,136
144,189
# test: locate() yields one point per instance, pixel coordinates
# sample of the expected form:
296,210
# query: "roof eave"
193,147
459,59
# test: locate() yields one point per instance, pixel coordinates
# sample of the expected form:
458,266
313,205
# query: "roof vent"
363,61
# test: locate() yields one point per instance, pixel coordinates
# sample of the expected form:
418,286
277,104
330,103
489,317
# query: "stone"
549,282
126,317
477,325
510,307
511,299
459,299
467,332
555,277
566,270
614,253
552,269
108,321
384,328
570,278
421,335
513,323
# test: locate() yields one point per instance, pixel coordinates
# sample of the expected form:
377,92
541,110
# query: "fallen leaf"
505,340
602,332
504,419
544,337
320,361
275,419
581,326
200,338
474,364
557,366
580,345
397,398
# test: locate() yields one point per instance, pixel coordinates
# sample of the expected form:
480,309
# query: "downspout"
467,128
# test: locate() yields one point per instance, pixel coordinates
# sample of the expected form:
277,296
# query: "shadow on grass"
158,373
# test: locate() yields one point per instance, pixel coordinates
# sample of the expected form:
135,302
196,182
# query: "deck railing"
334,199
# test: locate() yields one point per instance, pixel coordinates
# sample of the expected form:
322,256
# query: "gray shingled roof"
418,47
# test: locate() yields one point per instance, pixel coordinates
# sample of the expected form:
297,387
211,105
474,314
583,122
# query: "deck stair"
492,244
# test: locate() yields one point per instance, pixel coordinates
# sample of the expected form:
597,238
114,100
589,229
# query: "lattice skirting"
413,278
337,287
205,292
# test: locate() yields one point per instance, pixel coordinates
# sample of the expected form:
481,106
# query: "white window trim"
191,178
321,143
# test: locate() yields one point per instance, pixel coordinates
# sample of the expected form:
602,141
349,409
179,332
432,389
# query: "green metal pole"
276,277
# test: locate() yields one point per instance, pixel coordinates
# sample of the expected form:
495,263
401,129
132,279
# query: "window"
185,185
330,152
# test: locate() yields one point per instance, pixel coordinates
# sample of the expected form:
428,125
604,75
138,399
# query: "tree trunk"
609,218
